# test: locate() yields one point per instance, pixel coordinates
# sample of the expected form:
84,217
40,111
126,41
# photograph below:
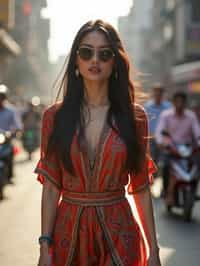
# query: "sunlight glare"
66,19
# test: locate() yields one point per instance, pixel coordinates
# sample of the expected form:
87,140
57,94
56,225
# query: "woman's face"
95,58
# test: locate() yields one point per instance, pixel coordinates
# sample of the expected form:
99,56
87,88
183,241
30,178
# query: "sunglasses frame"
93,51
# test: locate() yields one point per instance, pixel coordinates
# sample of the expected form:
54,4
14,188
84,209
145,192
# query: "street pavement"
20,224
20,218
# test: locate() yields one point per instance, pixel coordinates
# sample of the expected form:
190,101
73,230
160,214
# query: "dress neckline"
92,168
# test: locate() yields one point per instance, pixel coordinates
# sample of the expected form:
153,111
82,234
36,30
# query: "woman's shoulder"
51,110
141,120
140,113
49,114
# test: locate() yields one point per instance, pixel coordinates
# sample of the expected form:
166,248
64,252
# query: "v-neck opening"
98,148
91,172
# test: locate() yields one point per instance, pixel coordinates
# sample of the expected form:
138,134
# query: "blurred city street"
20,224
126,56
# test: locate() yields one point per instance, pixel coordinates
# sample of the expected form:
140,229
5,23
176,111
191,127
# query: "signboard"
7,8
185,72
193,40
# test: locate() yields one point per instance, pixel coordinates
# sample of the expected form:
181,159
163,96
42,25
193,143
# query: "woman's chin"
96,78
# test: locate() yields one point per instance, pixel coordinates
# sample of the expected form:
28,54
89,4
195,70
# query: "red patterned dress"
94,223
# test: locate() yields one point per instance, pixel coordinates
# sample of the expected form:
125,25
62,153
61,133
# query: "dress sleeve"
48,166
145,176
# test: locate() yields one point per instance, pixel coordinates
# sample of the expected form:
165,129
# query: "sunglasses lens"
85,53
105,55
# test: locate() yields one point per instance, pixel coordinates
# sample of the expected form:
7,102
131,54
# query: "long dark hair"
120,94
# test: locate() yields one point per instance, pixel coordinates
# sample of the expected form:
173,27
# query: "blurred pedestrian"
31,117
31,120
9,121
183,127
31,129
91,142
154,107
9,118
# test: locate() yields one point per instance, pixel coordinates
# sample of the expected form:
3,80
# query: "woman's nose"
95,57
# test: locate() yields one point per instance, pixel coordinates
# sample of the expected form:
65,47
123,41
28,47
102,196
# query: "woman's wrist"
44,247
45,240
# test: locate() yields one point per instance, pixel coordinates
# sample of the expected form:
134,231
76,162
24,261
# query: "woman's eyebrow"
91,46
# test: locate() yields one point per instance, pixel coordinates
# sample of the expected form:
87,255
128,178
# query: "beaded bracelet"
45,238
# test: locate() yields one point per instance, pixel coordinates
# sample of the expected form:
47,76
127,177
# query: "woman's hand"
45,257
154,259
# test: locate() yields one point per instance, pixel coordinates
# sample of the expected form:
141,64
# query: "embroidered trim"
114,254
46,175
85,167
105,137
74,237
101,202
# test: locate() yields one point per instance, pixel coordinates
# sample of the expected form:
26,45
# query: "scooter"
6,151
30,141
185,175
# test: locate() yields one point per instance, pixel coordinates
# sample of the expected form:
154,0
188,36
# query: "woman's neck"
96,94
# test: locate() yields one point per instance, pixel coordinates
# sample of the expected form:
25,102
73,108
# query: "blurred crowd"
178,107
174,126
19,128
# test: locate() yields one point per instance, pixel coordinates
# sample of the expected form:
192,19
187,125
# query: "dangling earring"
77,72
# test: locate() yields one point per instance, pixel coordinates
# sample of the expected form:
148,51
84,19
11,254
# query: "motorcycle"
30,141
185,175
6,151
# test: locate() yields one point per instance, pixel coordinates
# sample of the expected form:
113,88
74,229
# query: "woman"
92,142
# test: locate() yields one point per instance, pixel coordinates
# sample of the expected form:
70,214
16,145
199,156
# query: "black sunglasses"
104,54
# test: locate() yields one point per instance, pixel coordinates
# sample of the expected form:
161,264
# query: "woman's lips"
94,70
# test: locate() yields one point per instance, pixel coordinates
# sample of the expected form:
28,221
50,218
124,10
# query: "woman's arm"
144,207
50,198
139,187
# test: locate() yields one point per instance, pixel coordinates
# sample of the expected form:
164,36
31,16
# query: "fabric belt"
94,198
98,200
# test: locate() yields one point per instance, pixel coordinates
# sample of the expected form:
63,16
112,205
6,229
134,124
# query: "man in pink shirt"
181,124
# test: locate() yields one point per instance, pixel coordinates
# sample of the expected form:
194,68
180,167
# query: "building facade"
135,30
28,76
9,48
177,24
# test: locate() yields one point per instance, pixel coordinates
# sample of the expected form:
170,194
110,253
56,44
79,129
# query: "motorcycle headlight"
2,138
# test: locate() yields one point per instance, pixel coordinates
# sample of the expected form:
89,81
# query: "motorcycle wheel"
188,205
30,156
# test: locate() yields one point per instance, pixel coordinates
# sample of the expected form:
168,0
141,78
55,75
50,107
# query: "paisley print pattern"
96,227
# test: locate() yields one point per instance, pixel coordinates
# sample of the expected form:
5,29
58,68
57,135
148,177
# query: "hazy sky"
68,15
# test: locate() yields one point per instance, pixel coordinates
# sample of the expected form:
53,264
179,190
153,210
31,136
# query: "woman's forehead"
95,39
